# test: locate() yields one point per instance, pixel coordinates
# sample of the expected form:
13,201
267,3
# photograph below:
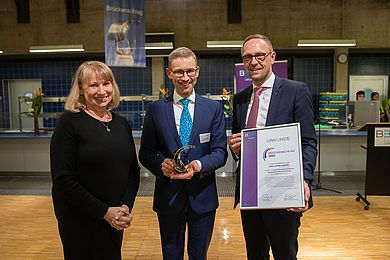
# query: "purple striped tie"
252,119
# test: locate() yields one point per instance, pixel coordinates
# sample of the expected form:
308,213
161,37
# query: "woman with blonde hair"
94,168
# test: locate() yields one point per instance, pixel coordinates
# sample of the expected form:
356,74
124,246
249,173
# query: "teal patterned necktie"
185,123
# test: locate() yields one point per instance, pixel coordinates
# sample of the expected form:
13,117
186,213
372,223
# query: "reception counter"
340,150
29,153
26,153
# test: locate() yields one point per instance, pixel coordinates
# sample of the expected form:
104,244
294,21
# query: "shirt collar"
268,83
177,97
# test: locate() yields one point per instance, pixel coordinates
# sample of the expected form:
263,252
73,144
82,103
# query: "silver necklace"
106,125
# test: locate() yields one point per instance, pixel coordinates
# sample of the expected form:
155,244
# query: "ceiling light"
224,44
158,45
57,48
1,51
326,43
159,41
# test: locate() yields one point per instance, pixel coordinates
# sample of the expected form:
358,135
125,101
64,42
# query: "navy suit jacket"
290,102
160,140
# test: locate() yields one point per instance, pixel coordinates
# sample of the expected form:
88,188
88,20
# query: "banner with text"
243,79
124,33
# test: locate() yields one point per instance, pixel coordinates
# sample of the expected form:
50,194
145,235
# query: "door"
18,89
369,84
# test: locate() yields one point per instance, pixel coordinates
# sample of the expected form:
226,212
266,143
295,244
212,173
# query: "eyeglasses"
259,57
180,73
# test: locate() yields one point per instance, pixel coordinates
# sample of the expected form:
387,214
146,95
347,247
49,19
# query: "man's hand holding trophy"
176,169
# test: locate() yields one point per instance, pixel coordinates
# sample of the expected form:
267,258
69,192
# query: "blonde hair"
75,101
257,36
181,52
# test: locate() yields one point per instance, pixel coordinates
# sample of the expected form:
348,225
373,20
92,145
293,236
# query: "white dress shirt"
264,100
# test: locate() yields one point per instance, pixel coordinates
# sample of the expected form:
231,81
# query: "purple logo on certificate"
266,153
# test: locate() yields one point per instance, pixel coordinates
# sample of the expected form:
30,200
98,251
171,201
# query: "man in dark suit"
190,198
279,101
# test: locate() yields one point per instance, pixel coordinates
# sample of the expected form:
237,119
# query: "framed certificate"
271,168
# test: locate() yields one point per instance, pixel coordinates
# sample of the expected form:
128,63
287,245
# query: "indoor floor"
336,228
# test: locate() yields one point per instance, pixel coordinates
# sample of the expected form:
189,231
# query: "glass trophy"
180,167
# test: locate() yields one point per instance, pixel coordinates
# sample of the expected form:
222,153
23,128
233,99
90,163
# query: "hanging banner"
124,33
243,79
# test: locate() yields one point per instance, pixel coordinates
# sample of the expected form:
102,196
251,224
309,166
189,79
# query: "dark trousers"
172,233
275,229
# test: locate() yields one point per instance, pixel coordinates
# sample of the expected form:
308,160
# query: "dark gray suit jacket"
290,102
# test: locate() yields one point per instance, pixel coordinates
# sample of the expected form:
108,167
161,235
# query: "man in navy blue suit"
189,198
280,101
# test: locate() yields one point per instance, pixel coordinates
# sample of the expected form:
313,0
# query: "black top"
91,168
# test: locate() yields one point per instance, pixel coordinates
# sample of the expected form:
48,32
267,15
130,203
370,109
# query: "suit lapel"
244,108
199,111
170,118
277,91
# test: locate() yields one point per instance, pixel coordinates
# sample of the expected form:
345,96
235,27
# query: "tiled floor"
348,183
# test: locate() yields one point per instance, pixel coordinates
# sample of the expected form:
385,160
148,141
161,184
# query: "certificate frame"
271,168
